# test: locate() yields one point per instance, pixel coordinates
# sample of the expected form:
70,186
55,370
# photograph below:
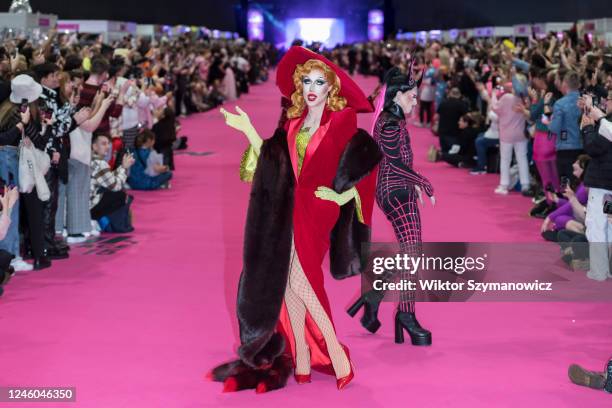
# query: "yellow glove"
326,193
242,123
239,122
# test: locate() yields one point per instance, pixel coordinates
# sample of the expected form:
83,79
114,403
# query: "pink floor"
141,326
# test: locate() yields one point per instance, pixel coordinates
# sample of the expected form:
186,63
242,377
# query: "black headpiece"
396,80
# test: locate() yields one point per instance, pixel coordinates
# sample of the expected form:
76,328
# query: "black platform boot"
370,302
408,321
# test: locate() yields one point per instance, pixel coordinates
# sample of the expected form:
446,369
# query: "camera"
607,207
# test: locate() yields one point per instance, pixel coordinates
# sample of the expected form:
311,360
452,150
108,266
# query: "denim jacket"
565,122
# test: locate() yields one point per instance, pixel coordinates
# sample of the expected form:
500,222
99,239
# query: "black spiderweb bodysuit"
395,190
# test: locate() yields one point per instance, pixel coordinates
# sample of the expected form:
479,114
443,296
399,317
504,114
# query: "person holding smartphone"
20,122
60,122
596,128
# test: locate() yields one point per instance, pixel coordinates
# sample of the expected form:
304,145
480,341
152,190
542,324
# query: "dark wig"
396,81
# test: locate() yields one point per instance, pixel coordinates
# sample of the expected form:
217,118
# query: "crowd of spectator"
83,122
538,112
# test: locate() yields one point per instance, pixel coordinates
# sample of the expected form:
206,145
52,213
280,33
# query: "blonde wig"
334,101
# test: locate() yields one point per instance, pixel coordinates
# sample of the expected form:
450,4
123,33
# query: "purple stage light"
376,20
376,17
375,32
328,31
255,25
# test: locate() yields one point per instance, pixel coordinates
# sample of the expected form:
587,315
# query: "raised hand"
548,97
128,161
239,122
242,123
25,116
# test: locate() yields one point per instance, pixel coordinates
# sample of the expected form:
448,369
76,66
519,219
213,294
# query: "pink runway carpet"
137,321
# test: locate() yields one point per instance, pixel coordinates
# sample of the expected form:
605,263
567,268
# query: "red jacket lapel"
317,138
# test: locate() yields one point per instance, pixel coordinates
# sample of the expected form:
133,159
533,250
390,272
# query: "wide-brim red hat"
354,96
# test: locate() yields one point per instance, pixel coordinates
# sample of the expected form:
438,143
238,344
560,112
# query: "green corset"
301,143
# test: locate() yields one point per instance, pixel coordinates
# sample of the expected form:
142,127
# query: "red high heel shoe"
302,378
344,381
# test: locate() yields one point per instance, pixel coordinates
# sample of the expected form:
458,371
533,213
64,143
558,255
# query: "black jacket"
599,171
450,110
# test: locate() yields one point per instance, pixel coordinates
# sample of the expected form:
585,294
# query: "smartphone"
105,89
23,107
564,183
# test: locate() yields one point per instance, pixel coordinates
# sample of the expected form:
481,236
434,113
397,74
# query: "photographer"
597,132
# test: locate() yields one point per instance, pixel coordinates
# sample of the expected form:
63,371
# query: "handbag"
80,146
33,165
432,154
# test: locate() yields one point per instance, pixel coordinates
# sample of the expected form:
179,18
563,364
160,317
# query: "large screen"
329,31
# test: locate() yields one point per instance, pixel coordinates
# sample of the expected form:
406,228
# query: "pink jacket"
511,123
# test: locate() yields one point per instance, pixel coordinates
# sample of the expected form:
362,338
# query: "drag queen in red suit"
313,191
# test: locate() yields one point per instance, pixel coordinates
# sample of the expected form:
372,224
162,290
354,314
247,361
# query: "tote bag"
33,165
80,146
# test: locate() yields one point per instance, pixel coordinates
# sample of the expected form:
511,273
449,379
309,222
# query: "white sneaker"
599,278
501,190
454,149
20,265
94,233
76,239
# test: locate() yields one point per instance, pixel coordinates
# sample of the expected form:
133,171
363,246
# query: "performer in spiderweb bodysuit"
397,191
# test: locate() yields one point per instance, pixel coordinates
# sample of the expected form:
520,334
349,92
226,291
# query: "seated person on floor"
108,200
463,151
148,171
449,112
565,225
165,133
